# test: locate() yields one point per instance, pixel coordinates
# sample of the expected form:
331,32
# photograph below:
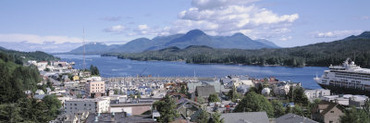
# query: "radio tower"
83,43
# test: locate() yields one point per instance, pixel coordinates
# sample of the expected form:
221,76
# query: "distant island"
320,54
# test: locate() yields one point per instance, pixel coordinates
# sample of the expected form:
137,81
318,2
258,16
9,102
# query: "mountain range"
193,37
319,54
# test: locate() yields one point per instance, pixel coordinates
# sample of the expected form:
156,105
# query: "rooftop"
293,118
246,117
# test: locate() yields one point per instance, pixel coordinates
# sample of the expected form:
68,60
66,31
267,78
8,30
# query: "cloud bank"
30,38
336,33
223,17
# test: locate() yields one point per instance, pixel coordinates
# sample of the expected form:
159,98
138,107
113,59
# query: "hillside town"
86,97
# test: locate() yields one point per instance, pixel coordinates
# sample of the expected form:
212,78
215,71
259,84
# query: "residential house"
293,118
76,78
204,91
39,92
327,112
192,86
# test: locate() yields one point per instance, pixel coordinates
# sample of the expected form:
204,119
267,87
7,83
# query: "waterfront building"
316,94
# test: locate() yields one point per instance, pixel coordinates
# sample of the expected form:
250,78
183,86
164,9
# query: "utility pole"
83,43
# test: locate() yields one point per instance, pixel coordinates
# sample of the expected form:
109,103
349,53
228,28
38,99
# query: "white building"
316,94
42,65
75,106
346,99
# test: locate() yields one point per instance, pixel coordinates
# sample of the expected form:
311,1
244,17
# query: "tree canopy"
167,109
94,70
320,54
15,107
213,98
253,102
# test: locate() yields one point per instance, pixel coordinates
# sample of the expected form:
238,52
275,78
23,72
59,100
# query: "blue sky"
56,26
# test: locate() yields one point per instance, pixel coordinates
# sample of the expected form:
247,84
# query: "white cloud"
143,27
209,4
336,34
221,17
37,39
285,38
225,17
116,29
365,17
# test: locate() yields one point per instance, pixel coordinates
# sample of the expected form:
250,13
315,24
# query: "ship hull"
343,90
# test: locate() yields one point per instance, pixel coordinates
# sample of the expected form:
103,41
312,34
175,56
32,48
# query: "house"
42,65
204,91
192,85
215,84
65,118
243,88
76,78
65,78
246,117
293,118
327,112
242,81
188,108
39,92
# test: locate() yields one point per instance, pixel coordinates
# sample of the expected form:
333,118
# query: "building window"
331,111
75,104
330,121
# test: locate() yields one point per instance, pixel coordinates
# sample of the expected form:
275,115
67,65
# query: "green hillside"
15,79
22,57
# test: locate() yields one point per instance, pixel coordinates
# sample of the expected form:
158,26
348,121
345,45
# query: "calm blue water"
113,67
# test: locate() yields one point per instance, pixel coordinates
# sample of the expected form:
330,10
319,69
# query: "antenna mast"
83,41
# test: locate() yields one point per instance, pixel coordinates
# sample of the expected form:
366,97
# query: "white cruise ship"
348,78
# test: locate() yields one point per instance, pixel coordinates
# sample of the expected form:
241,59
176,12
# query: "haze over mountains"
193,37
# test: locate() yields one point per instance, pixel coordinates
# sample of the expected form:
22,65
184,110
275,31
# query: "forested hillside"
21,57
320,54
15,79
